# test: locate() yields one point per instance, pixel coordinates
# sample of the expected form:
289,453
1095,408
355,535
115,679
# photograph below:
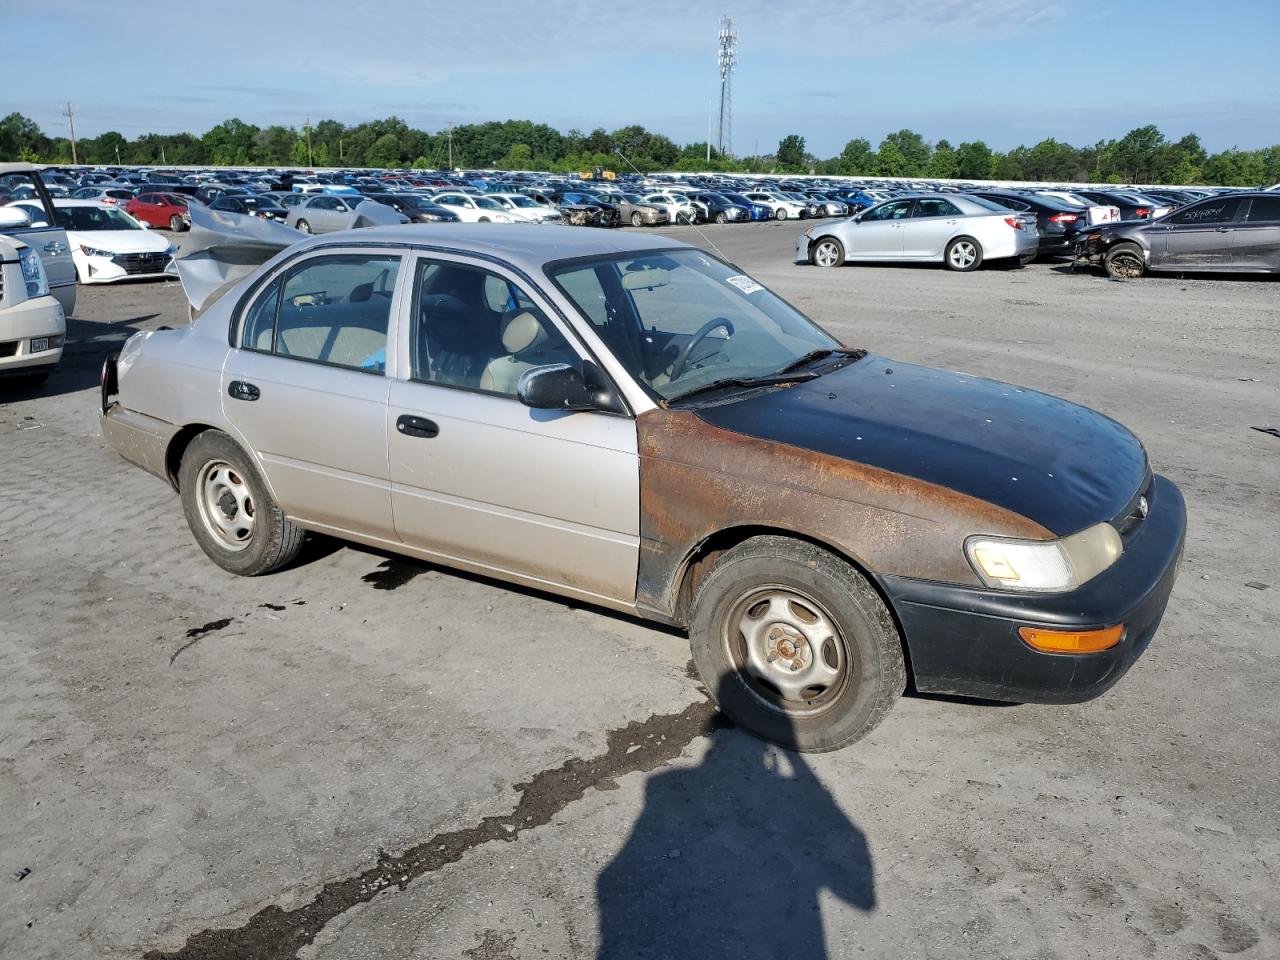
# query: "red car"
165,210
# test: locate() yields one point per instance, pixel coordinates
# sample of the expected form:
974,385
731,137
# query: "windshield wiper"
768,380
807,358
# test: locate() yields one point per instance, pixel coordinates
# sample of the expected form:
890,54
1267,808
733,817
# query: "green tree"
913,149
519,157
944,162
791,153
856,159
384,152
974,161
890,162
19,134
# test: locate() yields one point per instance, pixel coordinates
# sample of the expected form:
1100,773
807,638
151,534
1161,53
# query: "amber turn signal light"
1072,641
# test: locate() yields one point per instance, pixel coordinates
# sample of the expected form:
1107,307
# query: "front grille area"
141,263
1130,519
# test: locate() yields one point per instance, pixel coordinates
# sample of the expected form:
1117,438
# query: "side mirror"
14,217
555,386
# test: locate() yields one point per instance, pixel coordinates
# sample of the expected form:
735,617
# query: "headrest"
522,332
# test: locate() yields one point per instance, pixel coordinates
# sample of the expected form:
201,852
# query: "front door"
878,235
478,476
307,392
1257,235
48,238
1196,237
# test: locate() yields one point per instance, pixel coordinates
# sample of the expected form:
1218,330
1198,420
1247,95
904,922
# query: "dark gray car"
1235,233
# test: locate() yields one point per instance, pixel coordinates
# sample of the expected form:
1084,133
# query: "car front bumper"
39,318
965,641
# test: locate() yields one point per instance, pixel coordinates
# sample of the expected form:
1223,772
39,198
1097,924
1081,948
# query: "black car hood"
1056,463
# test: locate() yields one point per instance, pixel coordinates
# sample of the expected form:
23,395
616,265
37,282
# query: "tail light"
111,200
1142,212
1063,218
1014,222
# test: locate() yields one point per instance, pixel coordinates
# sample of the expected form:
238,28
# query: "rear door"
306,387
878,235
1198,237
1257,236
48,238
932,223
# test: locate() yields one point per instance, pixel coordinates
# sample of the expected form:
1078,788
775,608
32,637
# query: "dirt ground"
367,757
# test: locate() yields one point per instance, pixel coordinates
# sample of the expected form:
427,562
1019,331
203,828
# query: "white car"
476,209
526,208
106,243
1096,212
782,207
679,208
32,324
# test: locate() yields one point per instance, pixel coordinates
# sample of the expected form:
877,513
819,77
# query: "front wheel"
176,223
963,254
637,220
1124,262
827,252
304,226
722,217
795,645
231,513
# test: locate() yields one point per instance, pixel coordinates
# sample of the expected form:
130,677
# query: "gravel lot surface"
366,757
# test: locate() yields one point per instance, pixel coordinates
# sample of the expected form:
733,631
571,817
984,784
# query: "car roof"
520,244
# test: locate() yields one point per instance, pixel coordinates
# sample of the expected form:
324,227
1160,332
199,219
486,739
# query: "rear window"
987,204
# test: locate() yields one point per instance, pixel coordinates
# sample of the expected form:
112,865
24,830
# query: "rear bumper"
140,439
964,640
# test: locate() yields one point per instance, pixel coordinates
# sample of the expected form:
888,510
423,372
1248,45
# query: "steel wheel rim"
963,254
788,650
226,505
825,254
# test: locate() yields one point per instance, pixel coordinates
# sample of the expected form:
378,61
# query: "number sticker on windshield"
744,283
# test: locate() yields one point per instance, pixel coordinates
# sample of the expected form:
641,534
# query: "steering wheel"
682,358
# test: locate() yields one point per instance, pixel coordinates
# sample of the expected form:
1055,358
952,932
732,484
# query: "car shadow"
86,346
1169,275
732,857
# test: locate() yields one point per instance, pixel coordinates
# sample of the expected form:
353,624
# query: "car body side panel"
697,479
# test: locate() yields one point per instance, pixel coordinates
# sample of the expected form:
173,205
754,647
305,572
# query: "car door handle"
417,426
55,247
240,390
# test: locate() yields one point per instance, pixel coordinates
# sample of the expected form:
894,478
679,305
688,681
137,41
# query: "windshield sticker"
744,283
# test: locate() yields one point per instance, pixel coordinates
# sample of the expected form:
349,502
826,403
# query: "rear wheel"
304,226
963,254
231,513
827,252
795,645
176,223
1124,262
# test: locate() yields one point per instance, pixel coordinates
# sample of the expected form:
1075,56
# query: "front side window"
889,211
1210,211
332,310
680,320
474,329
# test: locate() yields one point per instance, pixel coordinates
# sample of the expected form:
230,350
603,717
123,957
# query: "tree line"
1143,155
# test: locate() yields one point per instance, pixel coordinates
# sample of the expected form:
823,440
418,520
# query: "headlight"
1045,565
33,272
95,252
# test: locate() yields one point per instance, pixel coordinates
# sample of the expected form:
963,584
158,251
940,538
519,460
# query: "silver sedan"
956,229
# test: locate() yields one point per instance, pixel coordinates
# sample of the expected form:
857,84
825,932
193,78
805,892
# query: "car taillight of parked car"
1014,222
1063,218
1142,212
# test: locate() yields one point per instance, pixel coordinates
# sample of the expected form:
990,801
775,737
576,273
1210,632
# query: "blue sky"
1006,71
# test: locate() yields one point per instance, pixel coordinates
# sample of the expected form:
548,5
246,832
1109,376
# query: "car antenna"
711,242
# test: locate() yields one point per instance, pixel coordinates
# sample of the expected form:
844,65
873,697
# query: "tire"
722,217
255,537
303,226
862,673
963,254
827,252
483,220
637,220
1124,261
176,224
780,213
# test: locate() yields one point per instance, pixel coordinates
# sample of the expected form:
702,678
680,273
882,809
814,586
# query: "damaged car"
1233,233
631,422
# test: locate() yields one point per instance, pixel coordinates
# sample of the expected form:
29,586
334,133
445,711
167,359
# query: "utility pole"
709,103
340,159
71,122
450,146
311,160
117,154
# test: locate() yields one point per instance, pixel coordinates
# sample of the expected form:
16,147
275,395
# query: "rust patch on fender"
697,479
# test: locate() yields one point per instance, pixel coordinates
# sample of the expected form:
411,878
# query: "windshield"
96,218
680,320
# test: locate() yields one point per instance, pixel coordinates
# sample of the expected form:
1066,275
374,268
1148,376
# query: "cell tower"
728,59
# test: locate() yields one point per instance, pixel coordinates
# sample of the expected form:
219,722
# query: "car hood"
119,241
1059,464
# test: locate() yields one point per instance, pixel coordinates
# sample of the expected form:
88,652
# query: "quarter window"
331,310
475,329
